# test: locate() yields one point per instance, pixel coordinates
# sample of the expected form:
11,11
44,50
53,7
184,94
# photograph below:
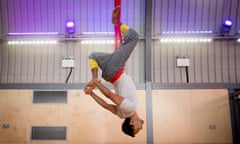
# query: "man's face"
137,125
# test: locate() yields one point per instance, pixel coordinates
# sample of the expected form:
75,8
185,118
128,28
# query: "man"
112,66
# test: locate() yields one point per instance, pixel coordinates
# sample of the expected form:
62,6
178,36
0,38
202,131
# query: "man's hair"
127,128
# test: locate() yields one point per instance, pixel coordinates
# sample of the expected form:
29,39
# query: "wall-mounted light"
226,27
98,33
188,32
184,40
70,28
32,42
92,42
31,33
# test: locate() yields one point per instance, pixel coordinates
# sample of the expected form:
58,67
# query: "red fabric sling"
118,36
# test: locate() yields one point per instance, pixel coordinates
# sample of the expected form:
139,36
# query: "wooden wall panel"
85,120
171,116
210,108
179,116
14,110
184,116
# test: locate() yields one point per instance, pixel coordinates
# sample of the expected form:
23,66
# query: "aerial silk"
118,36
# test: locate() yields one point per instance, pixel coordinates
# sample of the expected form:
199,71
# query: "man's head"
132,126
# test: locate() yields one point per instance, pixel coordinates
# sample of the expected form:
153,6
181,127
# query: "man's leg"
112,63
122,53
101,58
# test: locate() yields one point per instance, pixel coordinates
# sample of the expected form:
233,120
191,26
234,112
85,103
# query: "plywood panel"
184,116
14,110
171,116
210,107
90,123
179,116
85,120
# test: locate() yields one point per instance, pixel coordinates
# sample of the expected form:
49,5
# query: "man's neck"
134,116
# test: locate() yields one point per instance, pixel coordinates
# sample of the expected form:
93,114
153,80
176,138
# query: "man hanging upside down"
112,66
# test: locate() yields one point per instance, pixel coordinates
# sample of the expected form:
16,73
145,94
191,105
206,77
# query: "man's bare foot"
115,15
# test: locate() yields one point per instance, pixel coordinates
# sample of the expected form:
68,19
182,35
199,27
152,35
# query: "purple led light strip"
35,33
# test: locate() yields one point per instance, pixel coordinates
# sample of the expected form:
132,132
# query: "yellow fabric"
93,63
124,29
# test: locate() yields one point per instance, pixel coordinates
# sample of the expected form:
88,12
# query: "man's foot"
115,15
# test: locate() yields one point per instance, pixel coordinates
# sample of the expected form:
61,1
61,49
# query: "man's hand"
87,90
90,86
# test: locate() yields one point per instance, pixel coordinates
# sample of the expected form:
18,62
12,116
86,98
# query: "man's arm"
102,103
117,99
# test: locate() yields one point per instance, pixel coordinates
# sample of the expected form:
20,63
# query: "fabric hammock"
117,36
